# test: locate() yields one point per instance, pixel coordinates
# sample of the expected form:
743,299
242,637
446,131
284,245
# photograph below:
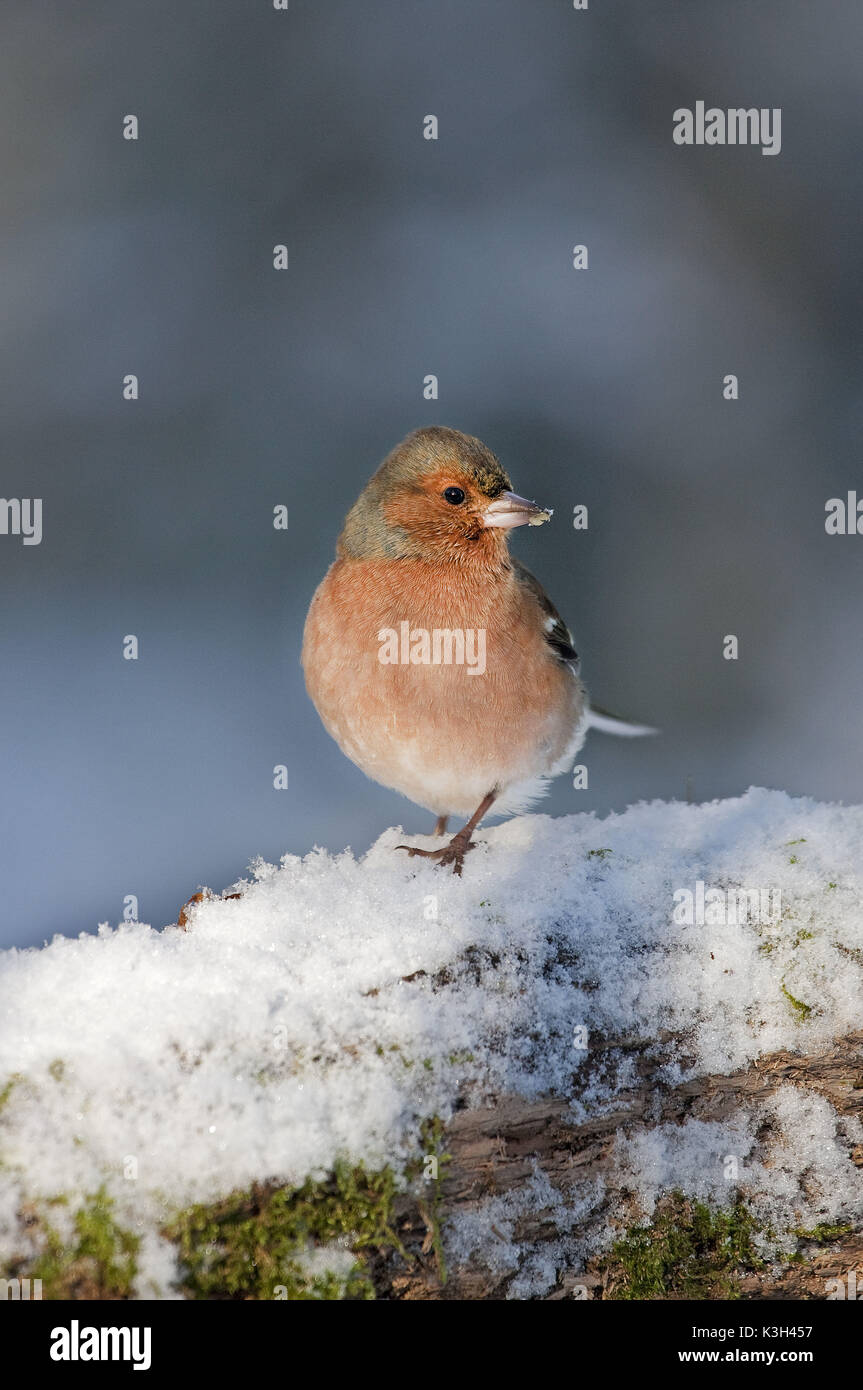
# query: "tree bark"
496,1150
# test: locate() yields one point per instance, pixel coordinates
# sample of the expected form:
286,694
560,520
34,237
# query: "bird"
433,656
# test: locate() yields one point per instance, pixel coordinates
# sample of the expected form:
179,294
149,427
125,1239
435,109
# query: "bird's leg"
461,842
440,825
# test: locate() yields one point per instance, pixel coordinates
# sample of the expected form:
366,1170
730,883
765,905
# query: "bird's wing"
557,634
560,639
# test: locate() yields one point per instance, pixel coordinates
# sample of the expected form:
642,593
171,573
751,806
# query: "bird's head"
439,495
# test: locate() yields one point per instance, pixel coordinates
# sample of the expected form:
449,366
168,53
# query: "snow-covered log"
603,1018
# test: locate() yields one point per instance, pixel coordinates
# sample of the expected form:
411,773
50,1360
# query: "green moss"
824,1234
801,935
57,1069
688,1251
598,853
803,1010
253,1245
97,1261
9,1087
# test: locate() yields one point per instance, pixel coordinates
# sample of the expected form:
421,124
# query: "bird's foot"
453,853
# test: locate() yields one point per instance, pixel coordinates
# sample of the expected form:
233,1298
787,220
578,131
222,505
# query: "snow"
806,1139
340,1001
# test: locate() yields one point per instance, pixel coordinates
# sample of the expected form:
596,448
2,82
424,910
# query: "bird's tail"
608,723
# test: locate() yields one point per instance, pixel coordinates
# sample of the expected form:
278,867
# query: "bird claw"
453,853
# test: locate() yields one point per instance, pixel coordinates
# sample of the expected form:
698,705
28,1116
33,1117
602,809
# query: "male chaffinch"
433,656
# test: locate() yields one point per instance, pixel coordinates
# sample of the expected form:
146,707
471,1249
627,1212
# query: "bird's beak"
509,510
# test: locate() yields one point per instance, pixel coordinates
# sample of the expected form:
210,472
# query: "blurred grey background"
410,257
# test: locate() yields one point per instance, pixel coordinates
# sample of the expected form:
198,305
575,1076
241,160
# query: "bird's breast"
437,684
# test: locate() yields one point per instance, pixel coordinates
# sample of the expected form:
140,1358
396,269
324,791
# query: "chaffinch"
434,657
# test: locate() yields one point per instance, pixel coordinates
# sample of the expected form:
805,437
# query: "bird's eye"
454,495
